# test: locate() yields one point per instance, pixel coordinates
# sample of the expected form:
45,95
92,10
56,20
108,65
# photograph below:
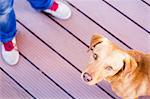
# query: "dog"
128,71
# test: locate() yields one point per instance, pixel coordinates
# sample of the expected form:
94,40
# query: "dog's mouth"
93,79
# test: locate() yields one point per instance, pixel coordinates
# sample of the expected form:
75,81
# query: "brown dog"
128,72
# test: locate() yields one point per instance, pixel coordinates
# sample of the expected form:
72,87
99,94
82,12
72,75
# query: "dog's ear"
130,66
95,40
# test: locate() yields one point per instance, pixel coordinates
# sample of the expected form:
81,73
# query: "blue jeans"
8,19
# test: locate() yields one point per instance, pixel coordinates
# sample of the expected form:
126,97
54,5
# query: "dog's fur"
128,72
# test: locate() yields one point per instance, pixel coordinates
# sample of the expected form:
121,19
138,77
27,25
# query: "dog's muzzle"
87,77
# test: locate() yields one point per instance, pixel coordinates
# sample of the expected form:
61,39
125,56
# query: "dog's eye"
95,56
109,68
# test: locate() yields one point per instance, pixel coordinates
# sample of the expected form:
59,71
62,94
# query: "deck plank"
33,80
115,23
134,9
84,28
54,35
9,89
55,67
51,33
147,1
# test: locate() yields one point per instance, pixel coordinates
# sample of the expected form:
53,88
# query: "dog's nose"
87,77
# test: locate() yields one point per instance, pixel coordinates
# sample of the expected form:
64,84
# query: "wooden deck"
53,52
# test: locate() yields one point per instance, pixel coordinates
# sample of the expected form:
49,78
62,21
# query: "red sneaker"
10,54
59,10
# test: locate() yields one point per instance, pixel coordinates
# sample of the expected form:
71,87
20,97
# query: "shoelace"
54,6
9,46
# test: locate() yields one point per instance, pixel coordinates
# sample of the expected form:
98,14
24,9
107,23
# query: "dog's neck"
116,77
119,83
138,58
139,70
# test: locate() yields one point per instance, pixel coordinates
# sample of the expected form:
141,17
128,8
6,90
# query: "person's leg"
55,8
7,32
7,21
41,4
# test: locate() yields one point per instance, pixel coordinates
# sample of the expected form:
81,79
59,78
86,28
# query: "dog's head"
105,61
